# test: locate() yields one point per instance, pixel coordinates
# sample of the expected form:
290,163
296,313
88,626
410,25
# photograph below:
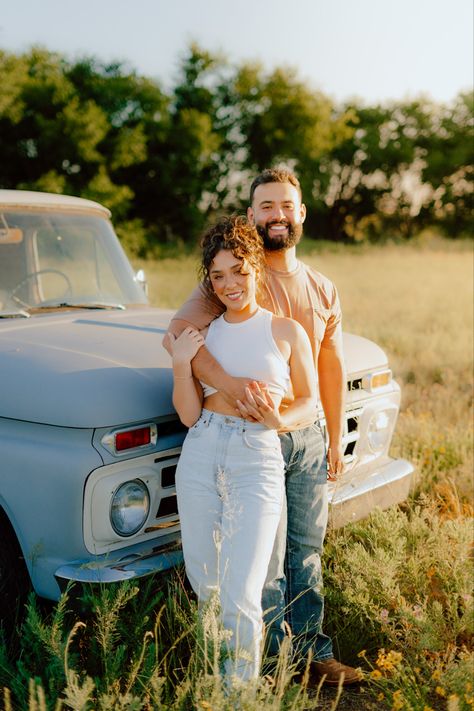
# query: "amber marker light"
374,381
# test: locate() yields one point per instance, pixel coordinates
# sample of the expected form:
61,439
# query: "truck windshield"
53,258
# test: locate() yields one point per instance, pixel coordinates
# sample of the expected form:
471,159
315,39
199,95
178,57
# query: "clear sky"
373,49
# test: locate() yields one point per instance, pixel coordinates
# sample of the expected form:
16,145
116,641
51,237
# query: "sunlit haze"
372,49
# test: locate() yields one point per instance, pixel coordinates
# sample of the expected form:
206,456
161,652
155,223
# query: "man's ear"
250,216
303,212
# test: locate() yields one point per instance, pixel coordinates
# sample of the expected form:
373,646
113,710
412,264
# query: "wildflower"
389,661
398,700
469,700
376,674
453,703
381,696
383,615
436,675
362,653
417,611
440,691
427,708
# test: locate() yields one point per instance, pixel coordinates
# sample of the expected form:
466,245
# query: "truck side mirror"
140,278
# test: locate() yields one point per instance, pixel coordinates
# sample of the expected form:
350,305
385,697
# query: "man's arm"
332,389
198,312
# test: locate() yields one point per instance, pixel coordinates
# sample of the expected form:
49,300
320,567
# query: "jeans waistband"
231,422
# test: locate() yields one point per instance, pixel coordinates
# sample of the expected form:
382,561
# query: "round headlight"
379,430
129,508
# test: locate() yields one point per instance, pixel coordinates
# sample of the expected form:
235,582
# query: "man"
293,591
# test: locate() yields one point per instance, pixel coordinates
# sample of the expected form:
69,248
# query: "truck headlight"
129,508
380,429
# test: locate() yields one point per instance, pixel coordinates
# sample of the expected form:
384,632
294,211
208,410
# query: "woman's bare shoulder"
287,328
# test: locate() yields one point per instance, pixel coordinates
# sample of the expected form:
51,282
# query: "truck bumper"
385,486
126,564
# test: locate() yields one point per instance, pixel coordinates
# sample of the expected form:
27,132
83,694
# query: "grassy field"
398,585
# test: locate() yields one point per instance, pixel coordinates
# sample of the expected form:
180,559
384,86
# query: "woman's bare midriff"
217,403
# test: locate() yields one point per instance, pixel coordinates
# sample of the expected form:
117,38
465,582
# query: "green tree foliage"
165,162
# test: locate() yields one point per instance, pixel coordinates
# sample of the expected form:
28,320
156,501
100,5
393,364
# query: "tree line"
166,161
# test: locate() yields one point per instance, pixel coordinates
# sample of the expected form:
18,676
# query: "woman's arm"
187,391
198,312
290,335
304,407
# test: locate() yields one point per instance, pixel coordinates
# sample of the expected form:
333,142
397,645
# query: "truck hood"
104,368
86,369
362,356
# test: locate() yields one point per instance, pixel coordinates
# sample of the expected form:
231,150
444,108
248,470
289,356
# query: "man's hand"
335,458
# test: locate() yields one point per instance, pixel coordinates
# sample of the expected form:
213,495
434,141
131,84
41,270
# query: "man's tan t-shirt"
302,294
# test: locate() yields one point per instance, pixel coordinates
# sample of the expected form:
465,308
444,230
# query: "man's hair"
238,236
275,175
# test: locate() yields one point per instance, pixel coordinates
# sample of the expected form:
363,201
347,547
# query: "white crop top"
248,349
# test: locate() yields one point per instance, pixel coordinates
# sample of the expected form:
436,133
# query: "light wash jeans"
230,489
293,589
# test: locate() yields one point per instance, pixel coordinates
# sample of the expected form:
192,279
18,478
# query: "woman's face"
233,281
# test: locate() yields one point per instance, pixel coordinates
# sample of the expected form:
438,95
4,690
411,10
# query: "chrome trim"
386,485
114,569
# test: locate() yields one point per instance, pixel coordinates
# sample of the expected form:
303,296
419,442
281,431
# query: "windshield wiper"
67,305
14,314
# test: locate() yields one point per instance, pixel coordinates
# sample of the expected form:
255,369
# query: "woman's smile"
234,283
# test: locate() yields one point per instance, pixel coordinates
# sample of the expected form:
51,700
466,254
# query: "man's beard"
285,241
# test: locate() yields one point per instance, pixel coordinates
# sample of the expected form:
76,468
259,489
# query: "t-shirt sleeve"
333,334
200,309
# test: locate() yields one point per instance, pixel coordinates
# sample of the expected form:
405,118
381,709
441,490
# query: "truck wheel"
14,579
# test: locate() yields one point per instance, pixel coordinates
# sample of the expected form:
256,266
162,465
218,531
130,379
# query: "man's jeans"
293,589
230,488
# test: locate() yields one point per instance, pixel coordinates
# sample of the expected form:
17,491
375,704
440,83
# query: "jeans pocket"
197,428
262,440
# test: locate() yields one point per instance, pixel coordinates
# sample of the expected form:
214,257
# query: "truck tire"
14,579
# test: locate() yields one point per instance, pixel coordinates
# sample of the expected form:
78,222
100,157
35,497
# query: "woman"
230,476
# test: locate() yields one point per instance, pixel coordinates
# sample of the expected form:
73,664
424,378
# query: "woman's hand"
184,348
259,407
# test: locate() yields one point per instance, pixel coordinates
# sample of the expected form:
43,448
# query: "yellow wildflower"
362,653
398,700
376,674
436,674
453,703
440,691
389,660
381,697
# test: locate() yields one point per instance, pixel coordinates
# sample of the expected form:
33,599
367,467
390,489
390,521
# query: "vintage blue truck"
89,440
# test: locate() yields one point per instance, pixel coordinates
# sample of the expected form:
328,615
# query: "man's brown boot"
332,670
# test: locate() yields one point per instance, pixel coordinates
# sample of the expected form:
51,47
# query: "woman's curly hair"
238,236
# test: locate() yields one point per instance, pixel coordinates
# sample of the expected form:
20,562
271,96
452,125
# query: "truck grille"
351,433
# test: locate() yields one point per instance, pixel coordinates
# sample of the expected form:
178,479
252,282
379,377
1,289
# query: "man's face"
278,214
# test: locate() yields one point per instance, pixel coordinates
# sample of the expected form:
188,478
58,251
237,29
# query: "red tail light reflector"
119,442
132,438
